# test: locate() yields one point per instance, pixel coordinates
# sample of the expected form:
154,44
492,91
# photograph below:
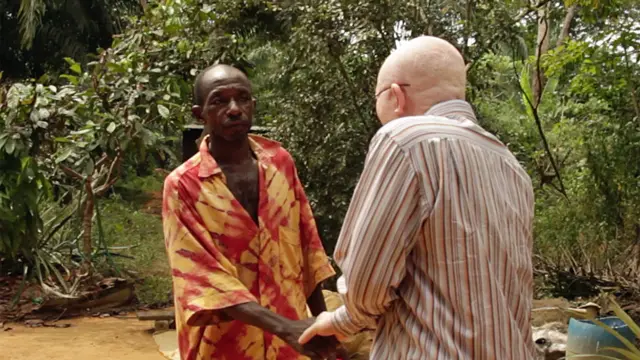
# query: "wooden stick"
167,314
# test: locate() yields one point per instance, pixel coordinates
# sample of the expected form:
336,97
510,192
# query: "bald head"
213,76
223,101
428,69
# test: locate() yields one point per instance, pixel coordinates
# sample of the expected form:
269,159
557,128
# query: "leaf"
76,68
30,12
111,128
527,93
10,146
72,79
81,132
3,140
70,61
41,114
626,353
42,124
163,111
65,154
89,167
116,67
43,79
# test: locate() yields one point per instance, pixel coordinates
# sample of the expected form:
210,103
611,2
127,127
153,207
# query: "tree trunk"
87,225
566,24
542,46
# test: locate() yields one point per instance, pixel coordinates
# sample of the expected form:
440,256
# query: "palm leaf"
624,317
31,12
626,342
626,353
527,93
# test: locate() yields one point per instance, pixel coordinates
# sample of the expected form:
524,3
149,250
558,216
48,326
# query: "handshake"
314,337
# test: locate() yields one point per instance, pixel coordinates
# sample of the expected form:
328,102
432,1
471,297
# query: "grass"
134,230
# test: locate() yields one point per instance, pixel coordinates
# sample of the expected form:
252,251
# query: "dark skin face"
228,107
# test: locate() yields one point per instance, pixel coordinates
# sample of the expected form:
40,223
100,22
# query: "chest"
243,181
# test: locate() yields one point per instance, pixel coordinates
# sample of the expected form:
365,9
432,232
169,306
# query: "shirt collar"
264,149
453,109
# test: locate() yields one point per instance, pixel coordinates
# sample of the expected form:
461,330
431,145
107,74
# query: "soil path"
86,339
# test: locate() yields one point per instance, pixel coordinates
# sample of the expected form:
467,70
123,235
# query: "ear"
255,102
196,110
401,99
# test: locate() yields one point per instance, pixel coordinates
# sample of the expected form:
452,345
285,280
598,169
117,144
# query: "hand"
317,348
323,326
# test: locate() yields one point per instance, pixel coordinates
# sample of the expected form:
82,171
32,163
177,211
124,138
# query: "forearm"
253,314
316,301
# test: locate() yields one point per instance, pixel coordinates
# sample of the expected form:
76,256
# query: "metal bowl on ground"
586,338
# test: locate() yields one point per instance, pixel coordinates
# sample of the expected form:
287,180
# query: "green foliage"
21,183
132,99
136,241
590,117
317,85
155,290
37,34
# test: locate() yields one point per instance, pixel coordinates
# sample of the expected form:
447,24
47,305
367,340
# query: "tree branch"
71,172
632,88
102,160
543,137
531,9
467,32
111,178
566,24
352,88
542,48
545,143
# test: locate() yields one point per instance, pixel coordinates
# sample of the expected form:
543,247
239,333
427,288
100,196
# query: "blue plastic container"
586,338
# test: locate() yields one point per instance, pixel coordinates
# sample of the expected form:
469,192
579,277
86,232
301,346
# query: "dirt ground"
86,339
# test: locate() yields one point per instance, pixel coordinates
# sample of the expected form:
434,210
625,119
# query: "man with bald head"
437,242
242,243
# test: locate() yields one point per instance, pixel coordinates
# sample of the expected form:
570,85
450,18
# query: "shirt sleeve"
377,235
316,264
204,280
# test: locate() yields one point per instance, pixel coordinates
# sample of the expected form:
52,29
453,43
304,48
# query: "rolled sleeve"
377,235
343,322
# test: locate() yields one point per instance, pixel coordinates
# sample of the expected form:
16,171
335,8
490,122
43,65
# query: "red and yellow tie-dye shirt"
220,257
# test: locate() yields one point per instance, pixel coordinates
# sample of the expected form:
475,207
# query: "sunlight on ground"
86,339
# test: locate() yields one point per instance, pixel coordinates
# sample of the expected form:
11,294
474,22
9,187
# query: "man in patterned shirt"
436,245
241,239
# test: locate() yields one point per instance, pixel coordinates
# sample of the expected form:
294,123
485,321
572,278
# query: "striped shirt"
436,245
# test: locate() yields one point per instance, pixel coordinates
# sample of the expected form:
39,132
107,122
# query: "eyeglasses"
389,87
